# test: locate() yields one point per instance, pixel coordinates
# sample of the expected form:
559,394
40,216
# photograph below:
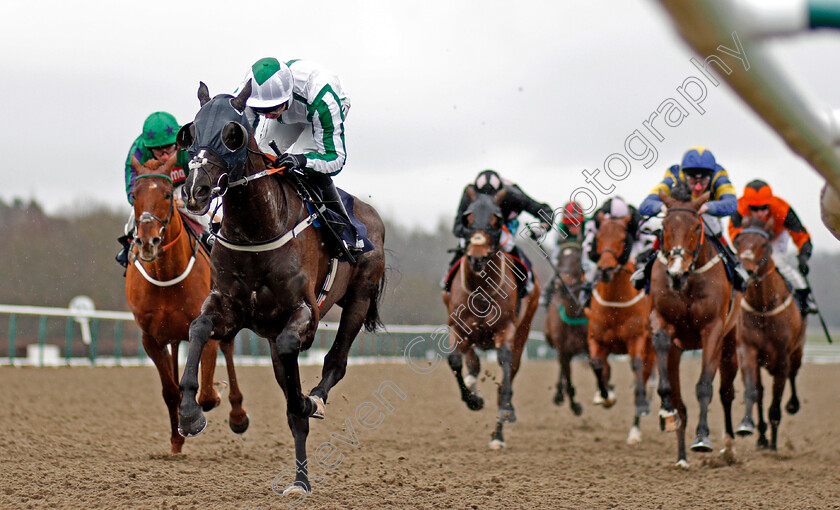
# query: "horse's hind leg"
171,393
704,388
749,374
238,420
509,361
472,399
208,397
728,373
662,346
566,374
792,406
598,359
559,397
473,369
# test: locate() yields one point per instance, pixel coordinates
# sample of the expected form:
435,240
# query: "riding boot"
585,295
805,301
334,202
446,282
641,277
125,241
207,240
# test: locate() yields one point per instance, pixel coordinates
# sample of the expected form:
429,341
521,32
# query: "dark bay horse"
483,309
566,326
619,319
694,307
165,285
772,332
272,272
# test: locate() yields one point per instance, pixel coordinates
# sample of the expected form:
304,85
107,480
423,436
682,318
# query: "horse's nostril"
155,241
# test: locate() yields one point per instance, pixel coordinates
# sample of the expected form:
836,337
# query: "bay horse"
272,273
165,285
482,308
694,307
772,331
619,319
566,326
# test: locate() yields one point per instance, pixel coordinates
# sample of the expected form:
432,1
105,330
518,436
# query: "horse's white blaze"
635,436
478,239
469,380
676,267
747,255
496,444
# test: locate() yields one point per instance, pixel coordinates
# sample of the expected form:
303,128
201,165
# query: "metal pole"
42,339
118,343
68,341
12,335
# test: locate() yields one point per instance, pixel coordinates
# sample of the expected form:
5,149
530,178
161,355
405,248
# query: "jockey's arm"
327,120
458,228
517,200
800,236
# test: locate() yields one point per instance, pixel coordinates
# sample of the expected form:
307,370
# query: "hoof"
643,409
473,401
792,407
240,428
297,489
577,409
635,436
507,416
190,426
559,398
668,421
746,428
319,409
606,402
682,464
497,445
702,445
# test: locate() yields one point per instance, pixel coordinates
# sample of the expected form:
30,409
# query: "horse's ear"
499,197
626,220
238,102
234,136
599,217
666,199
702,199
471,193
203,94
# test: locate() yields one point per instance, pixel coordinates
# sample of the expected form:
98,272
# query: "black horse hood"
208,127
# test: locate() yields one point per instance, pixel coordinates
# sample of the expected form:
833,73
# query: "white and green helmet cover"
271,83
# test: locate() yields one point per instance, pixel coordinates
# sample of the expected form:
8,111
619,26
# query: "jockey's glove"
803,265
291,162
538,232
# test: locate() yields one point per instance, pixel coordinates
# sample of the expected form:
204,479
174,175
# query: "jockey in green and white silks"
301,106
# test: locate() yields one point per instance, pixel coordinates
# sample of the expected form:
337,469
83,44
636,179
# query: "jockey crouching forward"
157,143
301,107
571,228
701,173
759,202
635,242
515,202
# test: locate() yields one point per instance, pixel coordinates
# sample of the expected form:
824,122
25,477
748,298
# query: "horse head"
217,141
483,221
154,207
569,263
612,245
754,248
683,233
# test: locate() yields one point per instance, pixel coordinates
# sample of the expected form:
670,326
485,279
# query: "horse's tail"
372,320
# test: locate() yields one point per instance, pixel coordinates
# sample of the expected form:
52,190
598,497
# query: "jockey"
759,202
570,229
700,171
515,202
157,142
301,106
614,208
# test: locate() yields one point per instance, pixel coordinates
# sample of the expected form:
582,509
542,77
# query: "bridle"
147,217
679,251
758,275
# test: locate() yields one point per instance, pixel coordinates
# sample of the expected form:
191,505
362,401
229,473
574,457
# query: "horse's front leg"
456,360
661,342
505,354
598,360
191,417
712,347
780,376
285,350
169,382
749,374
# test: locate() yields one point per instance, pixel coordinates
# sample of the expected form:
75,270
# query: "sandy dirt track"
91,438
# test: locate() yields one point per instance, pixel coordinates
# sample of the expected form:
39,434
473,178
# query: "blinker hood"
209,125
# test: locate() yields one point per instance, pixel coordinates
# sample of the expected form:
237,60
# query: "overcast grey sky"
440,90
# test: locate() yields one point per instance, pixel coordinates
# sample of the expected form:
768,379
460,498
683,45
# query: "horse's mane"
681,192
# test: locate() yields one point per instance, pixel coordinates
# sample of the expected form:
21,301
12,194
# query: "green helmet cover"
159,129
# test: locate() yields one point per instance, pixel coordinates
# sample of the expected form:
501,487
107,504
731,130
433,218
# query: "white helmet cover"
271,83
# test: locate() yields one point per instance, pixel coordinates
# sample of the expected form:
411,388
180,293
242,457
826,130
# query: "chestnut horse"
619,319
566,326
272,273
165,285
694,307
482,308
772,332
